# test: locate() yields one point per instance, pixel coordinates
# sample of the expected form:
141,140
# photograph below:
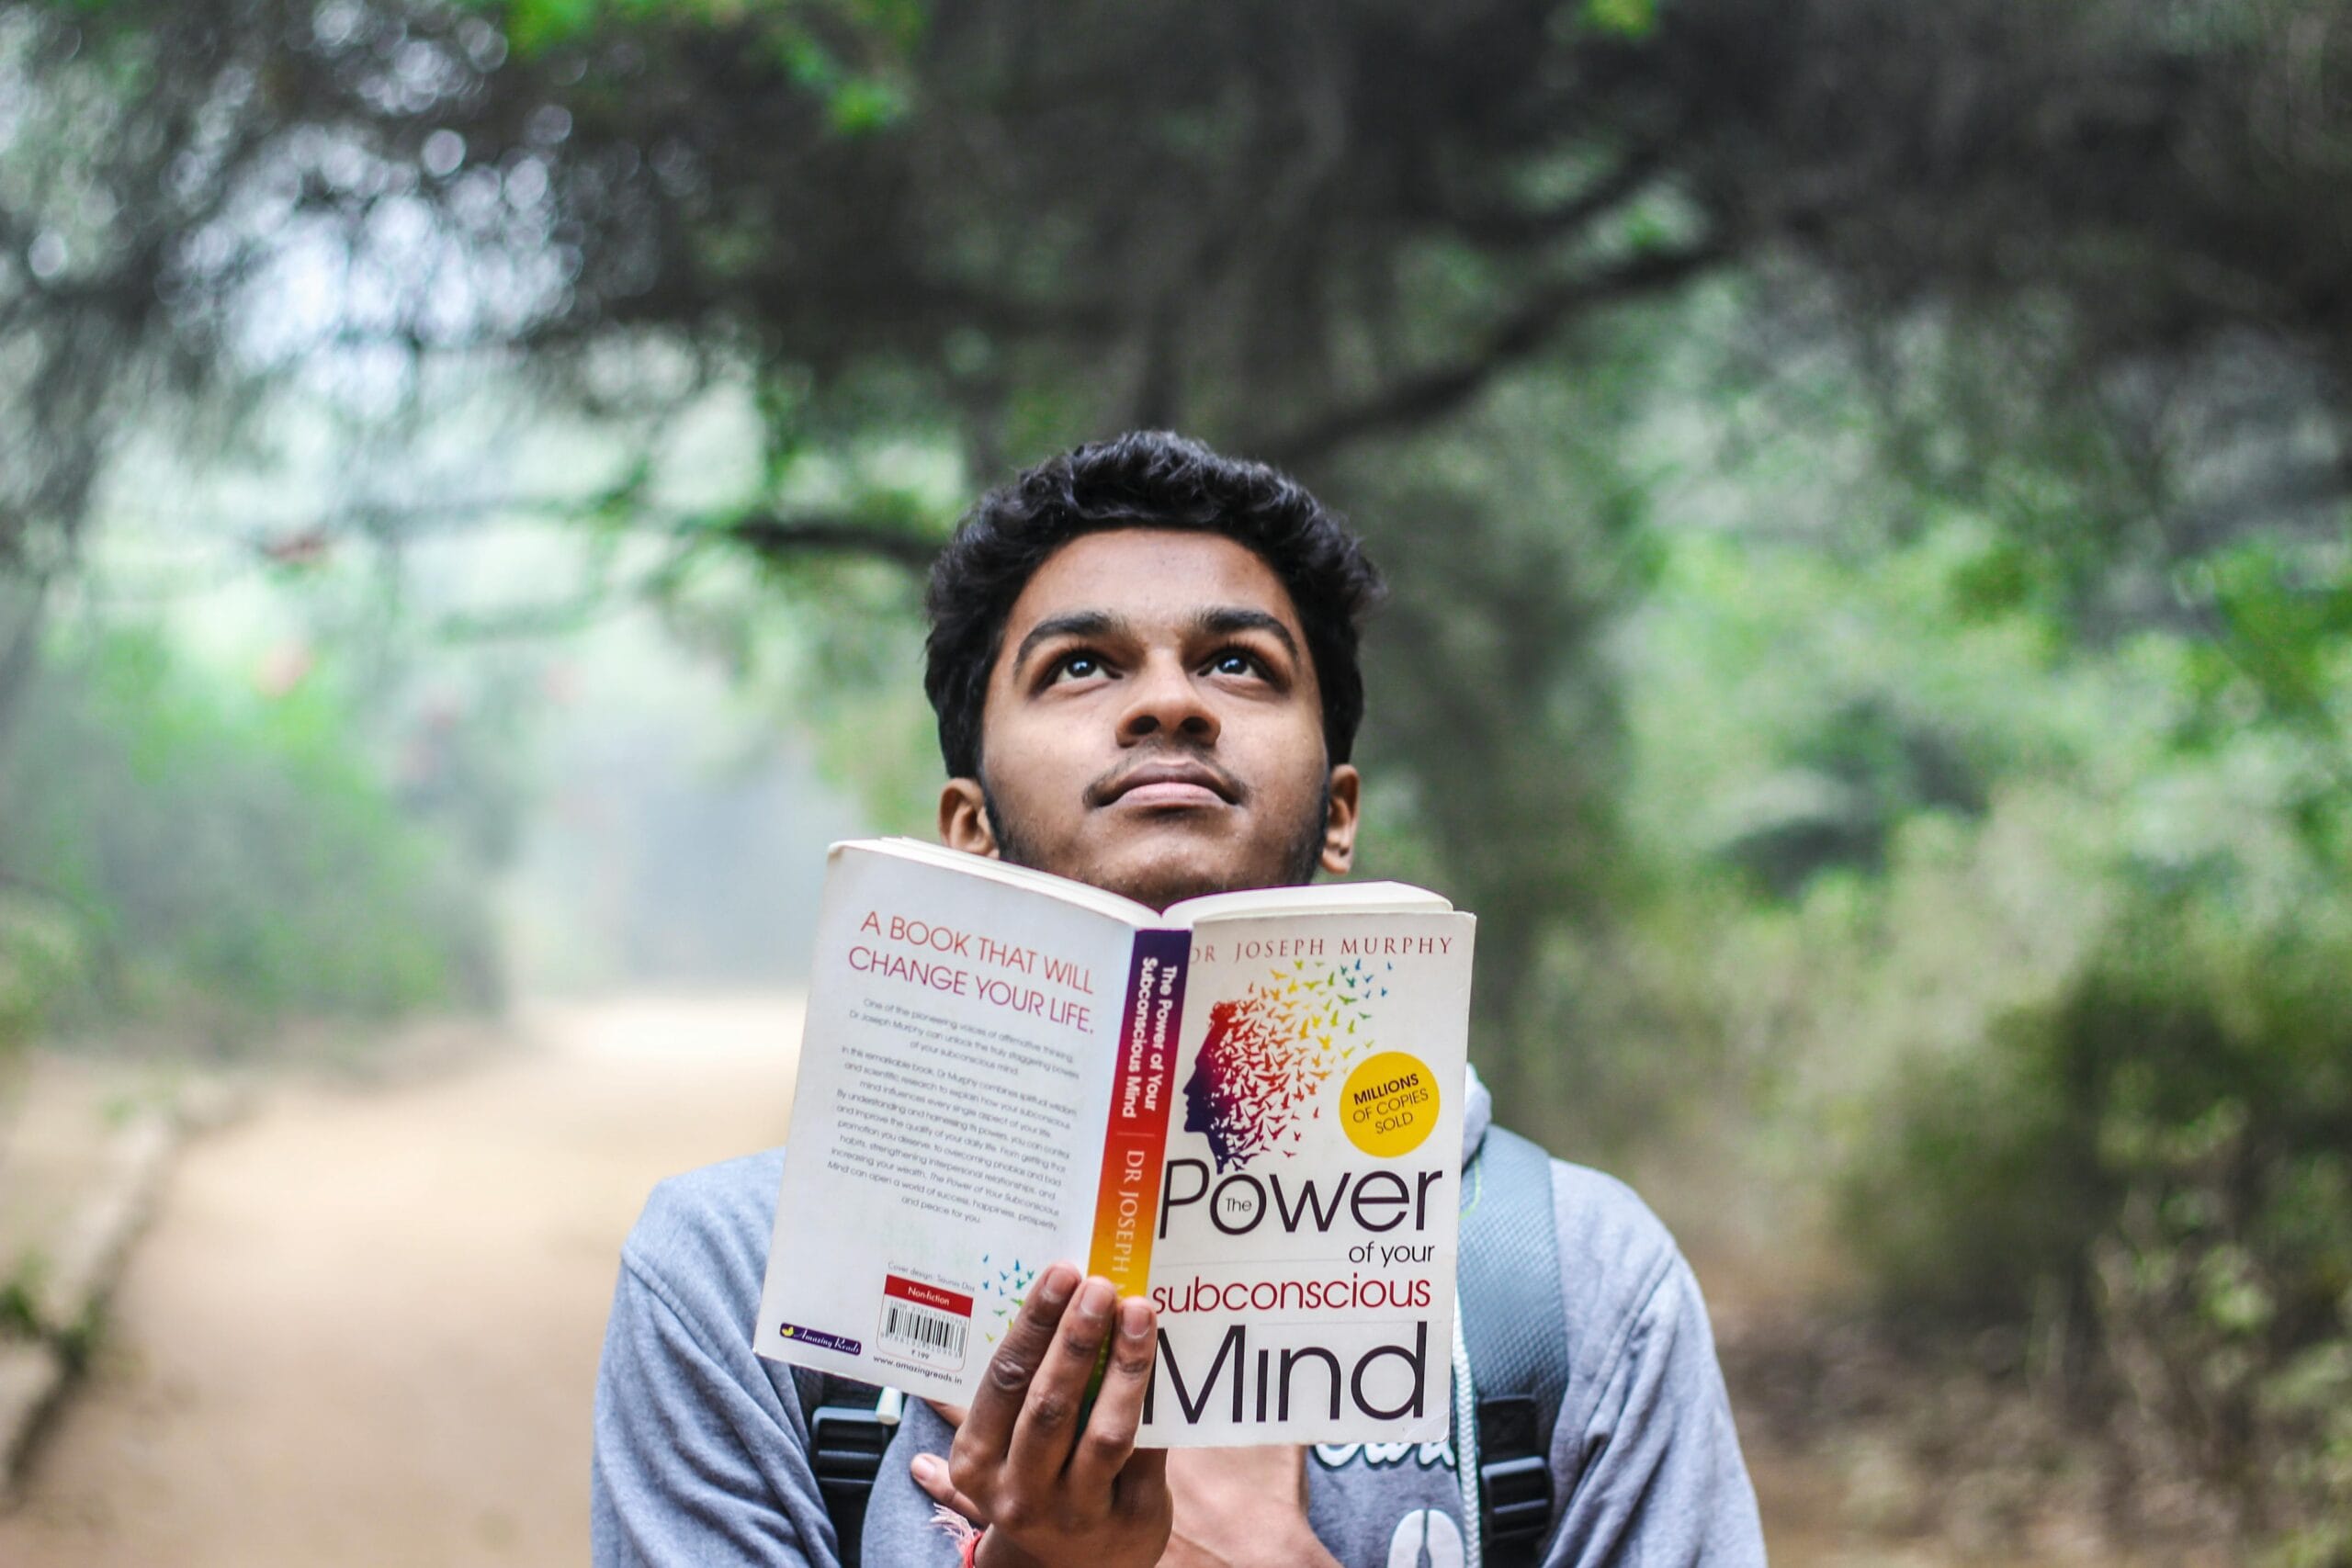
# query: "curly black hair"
1146,478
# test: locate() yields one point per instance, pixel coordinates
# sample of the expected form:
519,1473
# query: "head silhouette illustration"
1230,1078
1267,1053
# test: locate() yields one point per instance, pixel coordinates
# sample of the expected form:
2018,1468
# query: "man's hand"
1233,1508
1055,1497
1241,1508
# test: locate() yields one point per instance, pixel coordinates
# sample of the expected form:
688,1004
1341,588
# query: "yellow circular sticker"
1390,1104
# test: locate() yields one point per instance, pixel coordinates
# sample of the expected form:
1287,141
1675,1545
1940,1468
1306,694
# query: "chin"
1161,875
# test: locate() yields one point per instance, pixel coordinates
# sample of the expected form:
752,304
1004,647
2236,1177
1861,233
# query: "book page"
1302,1241
1307,898
947,1122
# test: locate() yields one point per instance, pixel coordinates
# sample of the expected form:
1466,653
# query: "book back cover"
948,1109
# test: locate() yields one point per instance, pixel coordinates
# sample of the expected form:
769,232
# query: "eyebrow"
1228,618
1075,622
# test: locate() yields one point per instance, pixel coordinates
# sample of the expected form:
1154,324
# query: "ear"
964,818
1340,819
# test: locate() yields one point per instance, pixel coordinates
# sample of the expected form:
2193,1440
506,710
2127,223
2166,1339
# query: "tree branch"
783,538
17,659
1511,227
1433,394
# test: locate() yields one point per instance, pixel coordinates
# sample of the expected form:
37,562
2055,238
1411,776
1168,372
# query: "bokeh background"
1864,485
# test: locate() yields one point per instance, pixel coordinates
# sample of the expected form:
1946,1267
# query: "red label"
931,1296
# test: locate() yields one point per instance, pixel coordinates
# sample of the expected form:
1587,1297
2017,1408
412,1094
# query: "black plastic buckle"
1515,1483
847,1442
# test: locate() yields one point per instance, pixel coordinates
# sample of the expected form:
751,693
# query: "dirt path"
365,1328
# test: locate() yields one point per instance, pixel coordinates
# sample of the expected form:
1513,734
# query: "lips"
1170,783
1171,792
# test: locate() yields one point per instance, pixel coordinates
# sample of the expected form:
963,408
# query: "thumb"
930,1473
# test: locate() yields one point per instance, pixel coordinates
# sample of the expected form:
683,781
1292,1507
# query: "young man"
1144,661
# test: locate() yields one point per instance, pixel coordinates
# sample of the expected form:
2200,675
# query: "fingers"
1049,1419
1049,1422
988,1426
1110,1436
1023,1460
932,1475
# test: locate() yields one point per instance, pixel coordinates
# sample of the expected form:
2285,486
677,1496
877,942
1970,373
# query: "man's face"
1153,726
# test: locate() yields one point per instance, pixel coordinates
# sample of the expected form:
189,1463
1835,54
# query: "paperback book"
1247,1108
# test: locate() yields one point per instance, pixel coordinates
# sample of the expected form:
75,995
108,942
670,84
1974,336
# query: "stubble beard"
1015,846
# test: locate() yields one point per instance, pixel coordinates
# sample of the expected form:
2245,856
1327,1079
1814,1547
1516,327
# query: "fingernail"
1134,1318
926,1468
1055,1285
1095,1300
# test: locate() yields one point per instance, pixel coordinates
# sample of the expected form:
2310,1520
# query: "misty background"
1864,488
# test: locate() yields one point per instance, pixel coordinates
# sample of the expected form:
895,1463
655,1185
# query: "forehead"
1158,579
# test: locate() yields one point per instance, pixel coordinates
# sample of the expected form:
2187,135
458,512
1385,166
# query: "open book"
1247,1107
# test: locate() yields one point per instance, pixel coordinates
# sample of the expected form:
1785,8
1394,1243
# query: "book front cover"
1301,1238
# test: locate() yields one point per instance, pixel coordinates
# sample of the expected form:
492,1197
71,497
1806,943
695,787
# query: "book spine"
1127,1201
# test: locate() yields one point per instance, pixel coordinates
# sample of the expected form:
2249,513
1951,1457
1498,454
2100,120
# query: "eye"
1080,665
1236,661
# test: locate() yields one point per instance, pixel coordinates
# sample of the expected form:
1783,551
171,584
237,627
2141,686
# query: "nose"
1164,700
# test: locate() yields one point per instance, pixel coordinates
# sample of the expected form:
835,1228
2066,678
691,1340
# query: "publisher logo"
1390,1104
804,1335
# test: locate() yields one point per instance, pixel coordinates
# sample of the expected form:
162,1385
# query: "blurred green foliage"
40,958
2016,906
183,849
2153,1167
849,54
1864,484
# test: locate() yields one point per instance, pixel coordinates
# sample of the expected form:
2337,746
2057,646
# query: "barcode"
924,1329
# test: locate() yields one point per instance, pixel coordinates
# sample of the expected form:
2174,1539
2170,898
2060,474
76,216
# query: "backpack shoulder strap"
1511,1327
848,1429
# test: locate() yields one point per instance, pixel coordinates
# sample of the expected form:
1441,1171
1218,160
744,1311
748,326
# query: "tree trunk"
23,605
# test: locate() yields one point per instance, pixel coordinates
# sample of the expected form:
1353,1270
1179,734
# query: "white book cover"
1247,1108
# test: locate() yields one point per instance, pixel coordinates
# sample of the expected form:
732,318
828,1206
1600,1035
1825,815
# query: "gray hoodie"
701,1447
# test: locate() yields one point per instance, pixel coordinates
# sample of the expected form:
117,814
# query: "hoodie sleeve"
699,1456
1645,1453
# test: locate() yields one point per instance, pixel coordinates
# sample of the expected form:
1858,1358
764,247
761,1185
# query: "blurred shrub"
2025,935
2156,1164
40,957
219,854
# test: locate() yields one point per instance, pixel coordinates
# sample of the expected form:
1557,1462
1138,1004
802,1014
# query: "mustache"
1107,788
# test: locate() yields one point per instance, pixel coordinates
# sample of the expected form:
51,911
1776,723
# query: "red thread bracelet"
972,1549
